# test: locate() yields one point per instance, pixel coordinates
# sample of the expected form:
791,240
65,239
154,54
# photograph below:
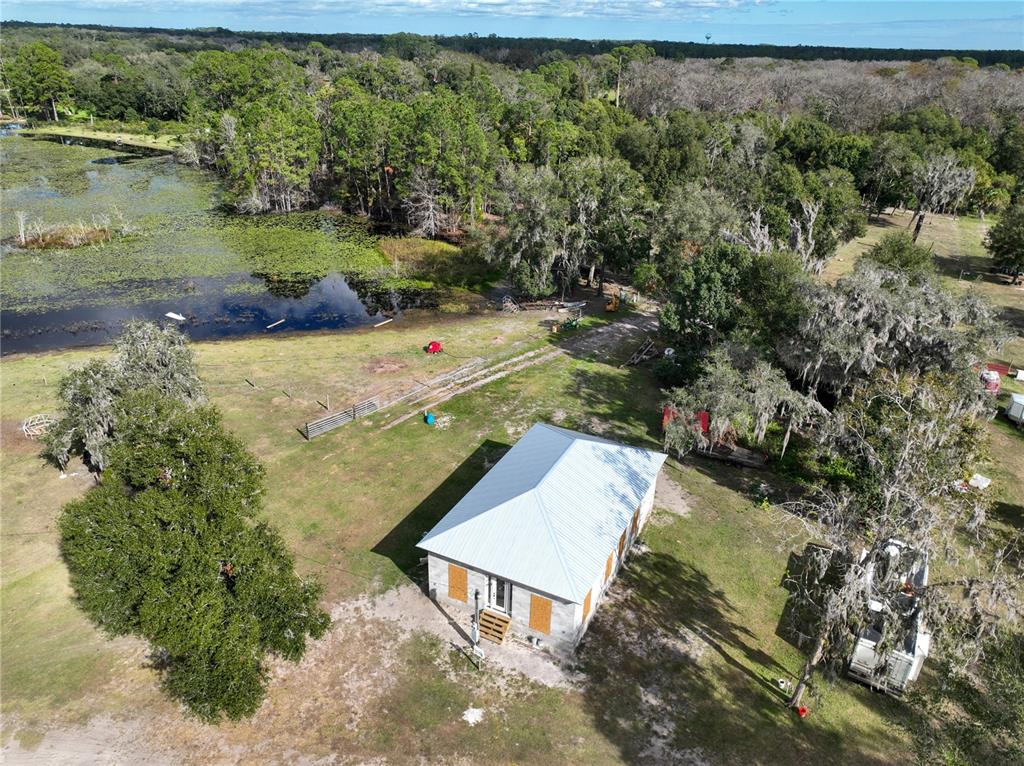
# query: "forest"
603,152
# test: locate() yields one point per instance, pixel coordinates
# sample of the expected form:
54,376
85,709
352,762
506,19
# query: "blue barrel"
429,418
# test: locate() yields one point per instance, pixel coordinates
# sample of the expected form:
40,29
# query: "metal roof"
549,512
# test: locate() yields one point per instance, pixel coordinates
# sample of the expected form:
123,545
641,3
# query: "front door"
499,594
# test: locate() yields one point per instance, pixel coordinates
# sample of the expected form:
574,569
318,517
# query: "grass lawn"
961,259
353,503
146,141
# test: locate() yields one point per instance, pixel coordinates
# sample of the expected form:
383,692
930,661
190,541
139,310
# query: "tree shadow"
621,404
654,687
399,544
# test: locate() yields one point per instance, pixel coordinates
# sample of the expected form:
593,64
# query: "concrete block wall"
600,586
564,614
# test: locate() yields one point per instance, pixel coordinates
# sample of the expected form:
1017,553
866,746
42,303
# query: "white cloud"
625,10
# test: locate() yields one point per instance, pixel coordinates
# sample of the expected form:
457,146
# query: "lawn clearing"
679,666
962,261
162,142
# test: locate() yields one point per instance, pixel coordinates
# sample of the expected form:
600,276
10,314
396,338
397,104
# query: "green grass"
962,261
353,503
146,141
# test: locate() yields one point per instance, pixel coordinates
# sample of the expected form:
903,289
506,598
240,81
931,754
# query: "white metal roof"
549,513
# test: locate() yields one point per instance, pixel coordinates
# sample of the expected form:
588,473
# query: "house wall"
564,620
568,623
600,585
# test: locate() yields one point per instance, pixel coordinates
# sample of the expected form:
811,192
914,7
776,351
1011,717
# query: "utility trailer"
892,670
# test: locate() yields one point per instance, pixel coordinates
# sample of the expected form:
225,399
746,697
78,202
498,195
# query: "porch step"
494,626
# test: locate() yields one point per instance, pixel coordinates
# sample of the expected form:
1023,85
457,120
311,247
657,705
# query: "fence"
329,422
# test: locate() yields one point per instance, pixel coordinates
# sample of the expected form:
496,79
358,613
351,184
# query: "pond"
174,249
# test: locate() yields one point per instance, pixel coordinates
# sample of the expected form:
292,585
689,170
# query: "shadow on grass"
670,670
399,544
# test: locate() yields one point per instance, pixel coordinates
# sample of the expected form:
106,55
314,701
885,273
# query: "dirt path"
596,342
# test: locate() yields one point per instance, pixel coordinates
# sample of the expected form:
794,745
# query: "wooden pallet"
494,626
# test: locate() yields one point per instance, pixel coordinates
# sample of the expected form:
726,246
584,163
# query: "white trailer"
892,670
1015,409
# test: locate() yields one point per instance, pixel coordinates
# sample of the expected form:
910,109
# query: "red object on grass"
801,711
433,347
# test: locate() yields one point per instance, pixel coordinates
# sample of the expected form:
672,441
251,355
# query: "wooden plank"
540,613
458,583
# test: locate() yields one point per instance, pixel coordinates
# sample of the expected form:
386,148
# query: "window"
586,604
622,543
636,521
458,583
608,567
540,613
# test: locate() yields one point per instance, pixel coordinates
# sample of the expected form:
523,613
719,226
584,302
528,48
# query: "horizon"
904,24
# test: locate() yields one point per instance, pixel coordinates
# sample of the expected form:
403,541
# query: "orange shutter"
622,543
458,583
608,567
636,521
586,604
540,613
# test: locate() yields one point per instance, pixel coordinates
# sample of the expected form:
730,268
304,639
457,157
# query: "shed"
541,536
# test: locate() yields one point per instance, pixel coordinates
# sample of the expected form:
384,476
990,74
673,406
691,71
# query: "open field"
961,259
680,665
161,142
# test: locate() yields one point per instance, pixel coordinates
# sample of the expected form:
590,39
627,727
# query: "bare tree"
757,239
424,205
801,237
22,217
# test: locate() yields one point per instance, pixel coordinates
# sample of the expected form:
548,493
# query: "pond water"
175,249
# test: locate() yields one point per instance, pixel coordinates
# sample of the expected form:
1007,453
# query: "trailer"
1015,409
892,671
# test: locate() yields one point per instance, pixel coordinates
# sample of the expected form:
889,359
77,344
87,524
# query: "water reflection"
331,303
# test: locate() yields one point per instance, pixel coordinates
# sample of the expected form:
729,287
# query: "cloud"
623,10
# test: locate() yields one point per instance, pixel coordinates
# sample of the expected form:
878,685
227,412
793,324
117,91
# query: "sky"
963,24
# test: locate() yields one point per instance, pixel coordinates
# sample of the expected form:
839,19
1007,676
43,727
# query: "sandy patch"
410,609
671,497
383,365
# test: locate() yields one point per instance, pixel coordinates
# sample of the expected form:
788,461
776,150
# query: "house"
541,536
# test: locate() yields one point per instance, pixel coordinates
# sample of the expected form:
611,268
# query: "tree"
690,217
898,252
533,244
424,206
167,547
888,322
742,395
975,715
901,437
941,183
1006,242
145,356
38,78
272,154
705,294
